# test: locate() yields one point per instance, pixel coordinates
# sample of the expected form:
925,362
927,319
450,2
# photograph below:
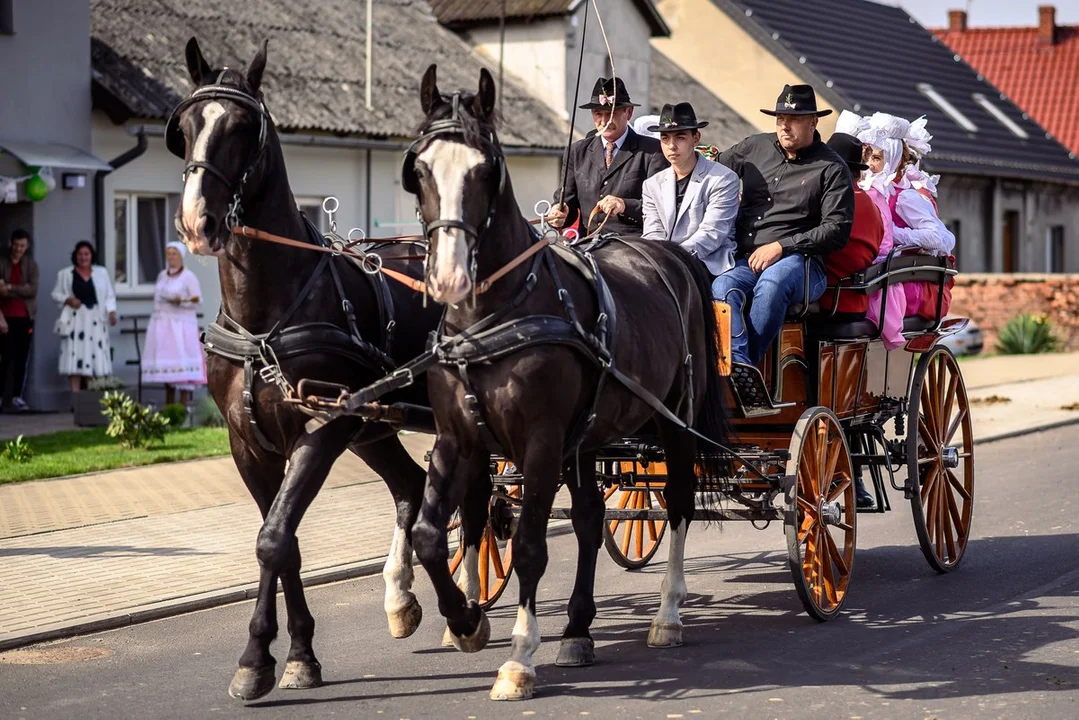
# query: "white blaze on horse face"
193,206
449,163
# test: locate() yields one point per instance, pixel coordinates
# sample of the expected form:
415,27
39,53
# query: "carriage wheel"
633,543
495,555
821,515
940,459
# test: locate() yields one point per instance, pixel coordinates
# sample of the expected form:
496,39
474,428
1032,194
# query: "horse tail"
712,419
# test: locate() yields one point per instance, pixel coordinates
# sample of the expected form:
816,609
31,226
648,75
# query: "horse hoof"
477,640
515,682
300,675
405,621
252,683
576,652
447,638
665,635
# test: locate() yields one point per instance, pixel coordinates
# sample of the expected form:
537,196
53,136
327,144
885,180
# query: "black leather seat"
917,323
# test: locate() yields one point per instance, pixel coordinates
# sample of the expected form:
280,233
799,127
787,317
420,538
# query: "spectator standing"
18,305
173,353
88,307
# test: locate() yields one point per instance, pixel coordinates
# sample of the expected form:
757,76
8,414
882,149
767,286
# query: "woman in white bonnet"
173,353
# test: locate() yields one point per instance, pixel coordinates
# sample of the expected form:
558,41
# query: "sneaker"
20,404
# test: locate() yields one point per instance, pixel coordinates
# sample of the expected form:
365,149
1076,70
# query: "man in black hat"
797,203
606,171
694,202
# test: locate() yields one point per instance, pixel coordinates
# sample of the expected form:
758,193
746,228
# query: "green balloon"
36,189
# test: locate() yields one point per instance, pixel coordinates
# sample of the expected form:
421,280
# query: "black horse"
551,361
289,313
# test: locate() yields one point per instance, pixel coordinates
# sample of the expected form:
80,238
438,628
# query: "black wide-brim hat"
849,148
608,93
797,100
677,117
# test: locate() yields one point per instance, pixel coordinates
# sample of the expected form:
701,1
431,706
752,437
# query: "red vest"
866,235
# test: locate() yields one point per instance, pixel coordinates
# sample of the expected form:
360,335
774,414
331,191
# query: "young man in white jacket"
695,201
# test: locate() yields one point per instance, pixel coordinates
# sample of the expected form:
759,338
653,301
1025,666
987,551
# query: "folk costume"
173,353
914,215
84,332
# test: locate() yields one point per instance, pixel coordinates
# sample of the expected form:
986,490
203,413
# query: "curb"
1026,431
204,601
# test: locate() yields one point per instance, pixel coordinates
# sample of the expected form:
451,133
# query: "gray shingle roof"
469,12
315,75
671,84
824,41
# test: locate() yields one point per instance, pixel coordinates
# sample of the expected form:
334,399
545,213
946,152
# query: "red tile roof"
1041,79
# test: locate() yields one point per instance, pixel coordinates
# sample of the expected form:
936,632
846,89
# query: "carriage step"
752,392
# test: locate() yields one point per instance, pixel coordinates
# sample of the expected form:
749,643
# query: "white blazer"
704,224
106,297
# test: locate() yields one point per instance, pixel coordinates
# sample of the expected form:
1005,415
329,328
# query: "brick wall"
992,299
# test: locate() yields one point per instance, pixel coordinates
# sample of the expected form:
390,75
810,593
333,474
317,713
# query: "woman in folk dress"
85,351
173,353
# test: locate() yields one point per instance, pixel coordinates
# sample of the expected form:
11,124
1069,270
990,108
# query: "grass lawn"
73,452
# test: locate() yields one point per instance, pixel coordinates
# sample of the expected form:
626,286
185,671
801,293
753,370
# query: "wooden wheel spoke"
941,519
485,562
496,563
808,507
609,492
822,457
829,473
840,489
954,522
653,536
827,570
950,433
959,487
949,398
923,430
639,525
845,527
837,557
928,482
809,523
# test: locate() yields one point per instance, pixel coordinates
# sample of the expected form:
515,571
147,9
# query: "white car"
968,341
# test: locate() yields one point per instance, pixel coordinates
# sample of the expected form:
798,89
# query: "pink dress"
931,236
173,353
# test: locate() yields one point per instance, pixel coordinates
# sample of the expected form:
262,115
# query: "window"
1055,250
1000,116
7,17
312,208
141,225
950,110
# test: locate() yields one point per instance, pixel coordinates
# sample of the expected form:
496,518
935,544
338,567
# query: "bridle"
177,145
453,125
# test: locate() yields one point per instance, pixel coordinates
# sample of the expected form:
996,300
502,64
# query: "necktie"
608,153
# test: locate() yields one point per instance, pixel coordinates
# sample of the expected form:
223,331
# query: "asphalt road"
996,639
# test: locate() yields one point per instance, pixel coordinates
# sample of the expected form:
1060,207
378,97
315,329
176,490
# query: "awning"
53,155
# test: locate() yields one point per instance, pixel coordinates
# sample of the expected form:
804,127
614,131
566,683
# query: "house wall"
746,76
628,35
46,98
314,173
535,57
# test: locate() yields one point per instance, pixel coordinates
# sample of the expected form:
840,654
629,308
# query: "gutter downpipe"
99,188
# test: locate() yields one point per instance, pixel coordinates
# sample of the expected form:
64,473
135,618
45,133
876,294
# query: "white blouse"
925,228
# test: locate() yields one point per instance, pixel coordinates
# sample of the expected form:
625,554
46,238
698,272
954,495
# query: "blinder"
174,134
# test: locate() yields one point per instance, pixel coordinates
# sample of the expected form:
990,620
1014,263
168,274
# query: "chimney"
957,20
1047,25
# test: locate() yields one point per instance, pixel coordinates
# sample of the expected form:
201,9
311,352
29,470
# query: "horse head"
457,171
221,132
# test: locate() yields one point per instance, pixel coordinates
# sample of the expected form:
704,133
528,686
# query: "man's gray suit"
704,223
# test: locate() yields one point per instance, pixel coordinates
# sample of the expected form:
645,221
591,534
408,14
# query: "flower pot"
87,405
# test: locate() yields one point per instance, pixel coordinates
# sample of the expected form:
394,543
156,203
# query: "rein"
372,267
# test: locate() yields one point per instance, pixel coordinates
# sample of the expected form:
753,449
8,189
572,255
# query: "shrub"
207,414
134,425
110,382
1027,334
176,414
17,450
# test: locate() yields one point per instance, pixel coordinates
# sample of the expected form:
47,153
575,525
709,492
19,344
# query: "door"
1011,241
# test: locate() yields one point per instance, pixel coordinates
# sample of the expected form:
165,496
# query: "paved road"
997,639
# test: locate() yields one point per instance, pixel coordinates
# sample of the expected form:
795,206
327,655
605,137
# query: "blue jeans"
769,294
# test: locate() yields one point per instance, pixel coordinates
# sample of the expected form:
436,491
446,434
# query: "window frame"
132,197
954,114
321,221
1003,119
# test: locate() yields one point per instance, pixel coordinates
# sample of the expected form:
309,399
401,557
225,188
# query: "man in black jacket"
797,203
608,169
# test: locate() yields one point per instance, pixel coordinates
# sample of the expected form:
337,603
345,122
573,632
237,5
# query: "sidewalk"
97,551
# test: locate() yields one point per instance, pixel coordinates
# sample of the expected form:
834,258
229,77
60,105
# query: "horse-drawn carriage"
811,422
624,329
